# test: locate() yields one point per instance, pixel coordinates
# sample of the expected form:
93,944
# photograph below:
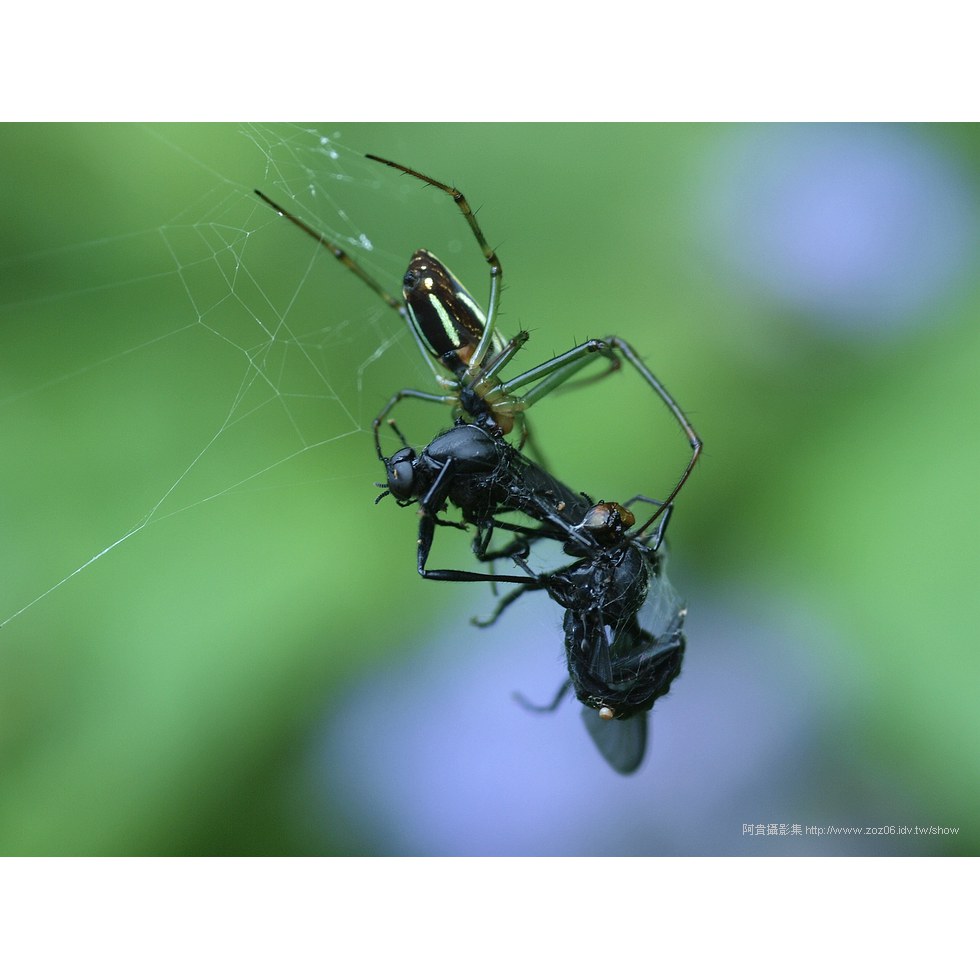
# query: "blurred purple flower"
860,227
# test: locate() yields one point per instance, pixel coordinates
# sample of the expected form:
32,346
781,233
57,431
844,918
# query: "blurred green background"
189,382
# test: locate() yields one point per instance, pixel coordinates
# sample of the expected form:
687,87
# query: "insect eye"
608,522
401,474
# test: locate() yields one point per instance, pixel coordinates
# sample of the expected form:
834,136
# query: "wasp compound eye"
608,522
401,474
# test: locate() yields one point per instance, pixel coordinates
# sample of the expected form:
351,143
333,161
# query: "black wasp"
475,469
484,477
623,626
623,621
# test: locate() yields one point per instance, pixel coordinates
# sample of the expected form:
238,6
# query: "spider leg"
424,396
496,270
692,437
339,254
345,259
554,372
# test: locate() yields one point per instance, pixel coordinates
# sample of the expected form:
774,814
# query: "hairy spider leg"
424,396
339,254
692,437
548,376
348,262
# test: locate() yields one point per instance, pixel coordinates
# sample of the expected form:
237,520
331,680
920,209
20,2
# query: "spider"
465,350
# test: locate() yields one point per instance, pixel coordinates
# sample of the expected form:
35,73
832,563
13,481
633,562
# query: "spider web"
192,559
221,353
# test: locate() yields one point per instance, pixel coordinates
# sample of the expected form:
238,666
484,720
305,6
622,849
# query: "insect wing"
655,662
663,611
622,742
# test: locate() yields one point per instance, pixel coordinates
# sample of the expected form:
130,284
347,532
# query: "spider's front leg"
424,396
